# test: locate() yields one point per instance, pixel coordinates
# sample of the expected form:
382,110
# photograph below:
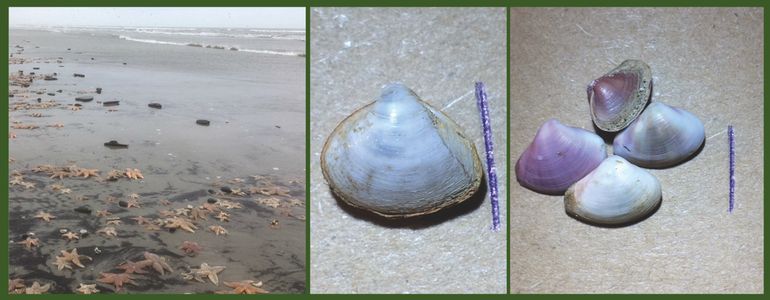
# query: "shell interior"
618,97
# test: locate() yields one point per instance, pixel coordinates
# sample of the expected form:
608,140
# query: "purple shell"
618,97
661,137
558,157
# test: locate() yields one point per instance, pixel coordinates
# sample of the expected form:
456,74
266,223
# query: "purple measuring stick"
481,100
731,139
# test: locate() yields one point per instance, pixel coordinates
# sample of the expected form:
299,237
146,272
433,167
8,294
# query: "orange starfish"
70,236
197,213
245,287
141,220
16,286
157,262
190,248
87,172
130,267
182,223
133,174
30,242
44,216
60,174
218,230
37,289
73,257
223,217
108,231
118,280
114,221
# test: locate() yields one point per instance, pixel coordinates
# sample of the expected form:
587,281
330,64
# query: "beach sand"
256,107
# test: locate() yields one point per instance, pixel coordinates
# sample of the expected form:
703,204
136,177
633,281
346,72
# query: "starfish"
166,213
133,203
223,217
205,271
141,220
118,280
270,202
273,190
133,196
295,202
24,126
218,229
87,172
108,231
133,174
44,216
62,262
197,213
153,226
103,213
74,257
30,242
156,262
182,223
246,287
37,289
70,236
60,174
87,289
130,267
210,207
190,248
115,221
28,185
17,180
65,191
44,168
114,175
238,192
16,286
229,204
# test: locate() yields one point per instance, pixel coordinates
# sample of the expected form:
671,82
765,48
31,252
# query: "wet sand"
255,143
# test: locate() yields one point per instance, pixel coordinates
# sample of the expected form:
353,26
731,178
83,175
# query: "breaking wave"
218,47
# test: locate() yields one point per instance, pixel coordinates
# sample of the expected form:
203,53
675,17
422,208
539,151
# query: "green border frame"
4,14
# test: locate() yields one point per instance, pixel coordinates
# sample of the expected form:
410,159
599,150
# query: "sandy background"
439,53
708,61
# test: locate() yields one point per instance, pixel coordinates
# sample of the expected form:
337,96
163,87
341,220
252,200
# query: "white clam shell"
399,157
661,137
616,192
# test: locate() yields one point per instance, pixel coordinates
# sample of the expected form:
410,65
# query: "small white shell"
616,192
399,157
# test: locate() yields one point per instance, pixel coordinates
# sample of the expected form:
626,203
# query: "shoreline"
242,166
